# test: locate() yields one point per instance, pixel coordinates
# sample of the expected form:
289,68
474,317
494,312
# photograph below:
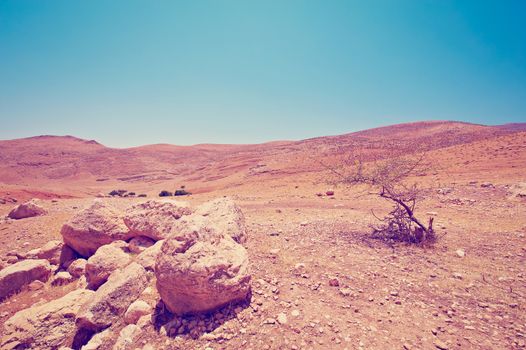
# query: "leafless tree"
390,178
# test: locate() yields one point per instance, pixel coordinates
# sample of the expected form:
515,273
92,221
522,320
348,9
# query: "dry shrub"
389,175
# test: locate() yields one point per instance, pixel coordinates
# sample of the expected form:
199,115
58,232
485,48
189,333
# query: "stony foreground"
125,265
319,282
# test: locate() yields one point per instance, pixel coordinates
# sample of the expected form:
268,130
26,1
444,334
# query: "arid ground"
319,280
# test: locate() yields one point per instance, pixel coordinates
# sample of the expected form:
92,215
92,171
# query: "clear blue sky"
136,72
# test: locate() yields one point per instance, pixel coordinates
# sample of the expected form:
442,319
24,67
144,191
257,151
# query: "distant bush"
131,193
165,194
142,195
181,192
119,193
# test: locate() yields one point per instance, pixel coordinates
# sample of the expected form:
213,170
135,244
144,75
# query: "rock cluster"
194,256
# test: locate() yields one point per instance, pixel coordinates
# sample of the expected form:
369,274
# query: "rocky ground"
319,281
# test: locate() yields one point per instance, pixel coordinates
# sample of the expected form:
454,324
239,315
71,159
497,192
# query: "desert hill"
80,166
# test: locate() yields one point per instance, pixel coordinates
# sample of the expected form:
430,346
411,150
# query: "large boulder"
155,219
15,276
225,217
200,270
94,227
45,326
112,299
27,210
50,251
100,265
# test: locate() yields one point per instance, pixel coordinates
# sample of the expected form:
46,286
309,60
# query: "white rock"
77,267
282,318
200,270
155,219
136,310
98,225
113,298
225,217
61,278
28,209
127,337
15,276
97,341
45,326
50,251
148,257
100,265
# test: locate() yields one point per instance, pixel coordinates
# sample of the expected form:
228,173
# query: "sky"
129,73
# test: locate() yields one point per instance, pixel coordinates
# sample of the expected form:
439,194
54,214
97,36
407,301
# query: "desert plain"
318,280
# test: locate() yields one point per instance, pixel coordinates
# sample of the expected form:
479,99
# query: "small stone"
270,321
457,275
36,285
333,282
77,267
282,318
460,253
136,310
61,278
345,292
295,313
439,344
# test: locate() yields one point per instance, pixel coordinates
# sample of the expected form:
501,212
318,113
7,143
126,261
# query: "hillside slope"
69,162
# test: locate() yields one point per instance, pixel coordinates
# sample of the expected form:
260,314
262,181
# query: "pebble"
439,344
282,318
333,282
295,313
269,321
345,292
460,253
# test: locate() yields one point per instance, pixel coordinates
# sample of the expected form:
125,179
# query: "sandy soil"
314,261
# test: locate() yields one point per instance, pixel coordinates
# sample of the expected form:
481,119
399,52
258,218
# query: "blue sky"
128,73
